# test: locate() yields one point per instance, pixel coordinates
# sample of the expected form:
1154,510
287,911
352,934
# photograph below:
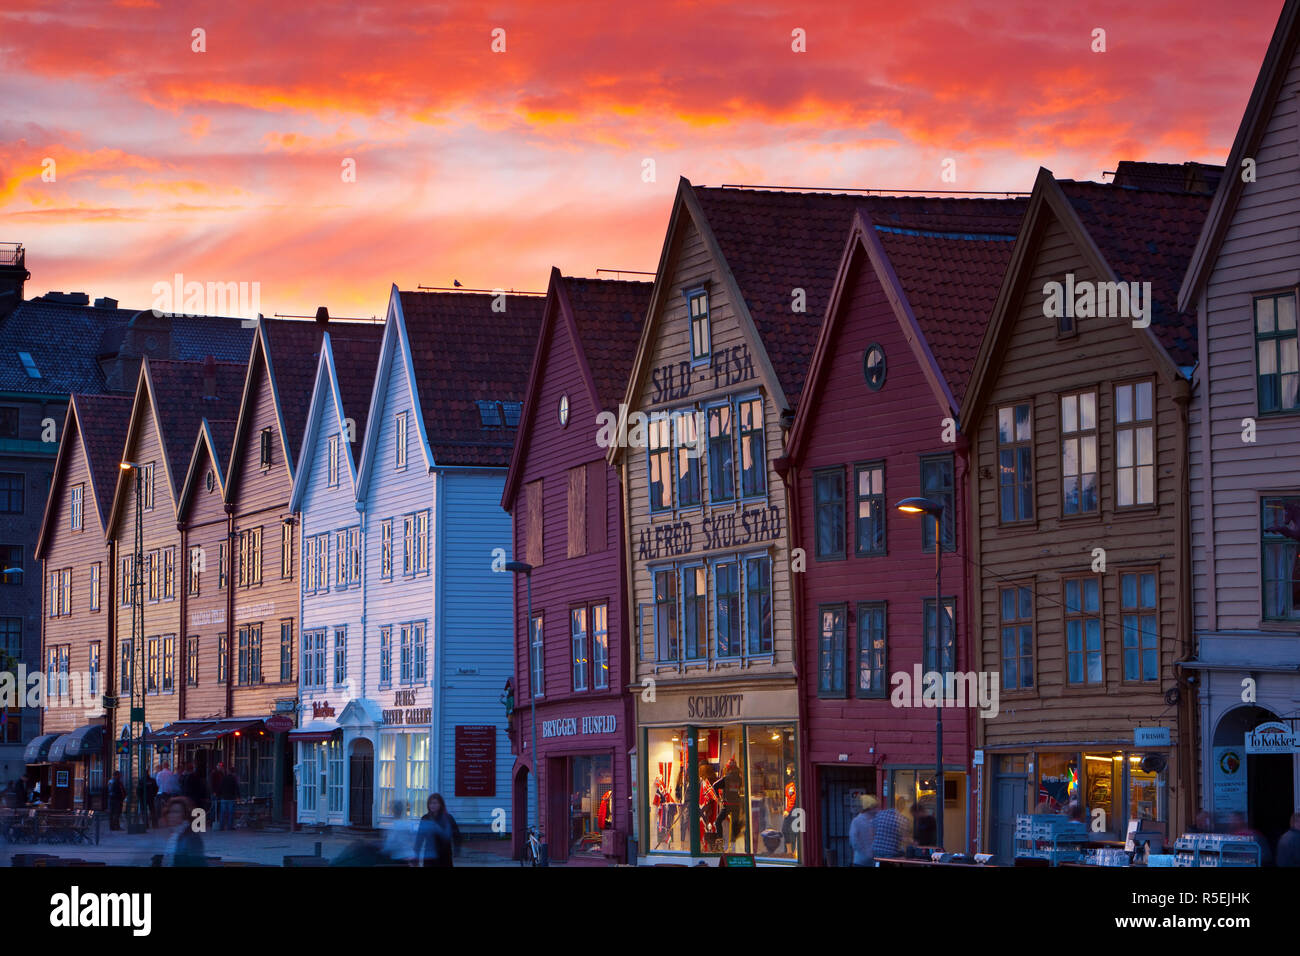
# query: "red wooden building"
568,524
876,424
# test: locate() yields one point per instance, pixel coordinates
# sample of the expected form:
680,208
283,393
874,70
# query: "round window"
211,480
873,367
564,410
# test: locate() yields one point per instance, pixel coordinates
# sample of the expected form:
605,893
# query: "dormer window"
489,414
511,412
697,301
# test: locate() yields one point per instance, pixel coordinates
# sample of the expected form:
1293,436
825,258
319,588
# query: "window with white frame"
333,750
78,510
340,656
387,774
96,574
385,655
1134,445
386,548
313,659
307,782
417,773
332,459
399,440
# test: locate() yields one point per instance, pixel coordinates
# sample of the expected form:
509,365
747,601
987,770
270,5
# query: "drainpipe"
230,607
960,506
435,631
1183,621
182,583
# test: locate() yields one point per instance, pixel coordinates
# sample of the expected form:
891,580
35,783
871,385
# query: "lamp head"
918,506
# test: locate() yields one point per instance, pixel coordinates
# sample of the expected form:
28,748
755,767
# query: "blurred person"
438,834
214,786
1288,845
227,799
1203,823
1238,826
887,835
184,846
116,797
862,830
399,842
146,791
925,830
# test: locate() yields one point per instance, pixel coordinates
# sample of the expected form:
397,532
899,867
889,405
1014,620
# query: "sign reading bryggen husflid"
708,539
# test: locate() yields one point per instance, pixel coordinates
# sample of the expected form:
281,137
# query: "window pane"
1264,315
1124,403
1070,413
1143,401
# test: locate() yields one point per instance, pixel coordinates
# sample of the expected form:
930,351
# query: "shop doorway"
839,796
1008,803
519,822
1270,784
361,783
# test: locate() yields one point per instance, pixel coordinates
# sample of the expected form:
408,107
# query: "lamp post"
136,739
519,567
935,509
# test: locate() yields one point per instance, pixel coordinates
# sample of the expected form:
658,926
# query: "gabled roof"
345,377
463,352
1147,236
604,319
213,444
941,286
66,341
175,394
100,421
1124,234
1254,124
775,242
288,350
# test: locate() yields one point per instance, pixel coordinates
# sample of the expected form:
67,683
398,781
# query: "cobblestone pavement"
119,848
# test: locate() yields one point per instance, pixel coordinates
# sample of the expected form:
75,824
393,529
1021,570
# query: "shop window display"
667,753
773,792
1058,782
1102,785
591,803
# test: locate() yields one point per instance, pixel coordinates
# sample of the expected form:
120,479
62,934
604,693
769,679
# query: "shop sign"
1272,737
279,724
415,716
727,367
320,709
476,761
574,726
1151,737
724,530
1228,776
714,706
211,616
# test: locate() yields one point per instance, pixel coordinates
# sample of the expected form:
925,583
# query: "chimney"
322,316
13,275
209,377
105,302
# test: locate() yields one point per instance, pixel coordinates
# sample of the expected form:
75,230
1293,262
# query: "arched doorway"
519,815
361,783
1269,778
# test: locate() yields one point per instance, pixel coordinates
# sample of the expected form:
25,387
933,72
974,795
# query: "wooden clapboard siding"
897,426
158,531
1259,253
325,509
472,623
1034,365
63,548
260,498
689,263
390,493
206,526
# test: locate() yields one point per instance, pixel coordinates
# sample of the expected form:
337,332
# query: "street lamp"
935,509
519,567
136,740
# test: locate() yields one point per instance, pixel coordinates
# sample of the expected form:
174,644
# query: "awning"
38,748
314,732
179,730
83,742
244,726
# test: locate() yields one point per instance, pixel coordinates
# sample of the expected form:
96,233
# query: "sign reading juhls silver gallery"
569,726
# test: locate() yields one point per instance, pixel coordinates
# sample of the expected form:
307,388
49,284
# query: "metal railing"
11,253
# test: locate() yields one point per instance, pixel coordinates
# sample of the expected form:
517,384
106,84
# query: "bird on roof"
456,283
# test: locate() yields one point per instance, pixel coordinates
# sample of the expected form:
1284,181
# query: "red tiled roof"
103,421
951,281
609,313
356,359
775,242
463,353
179,394
1147,236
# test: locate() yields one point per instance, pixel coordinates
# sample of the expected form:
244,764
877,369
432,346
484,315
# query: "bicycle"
532,855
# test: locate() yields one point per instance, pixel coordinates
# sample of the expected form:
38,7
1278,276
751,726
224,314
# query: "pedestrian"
862,830
193,787
1288,846
887,838
146,792
227,798
925,830
116,797
438,836
168,787
185,845
214,786
1238,826
400,840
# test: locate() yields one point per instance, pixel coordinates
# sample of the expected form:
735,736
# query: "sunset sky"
491,167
